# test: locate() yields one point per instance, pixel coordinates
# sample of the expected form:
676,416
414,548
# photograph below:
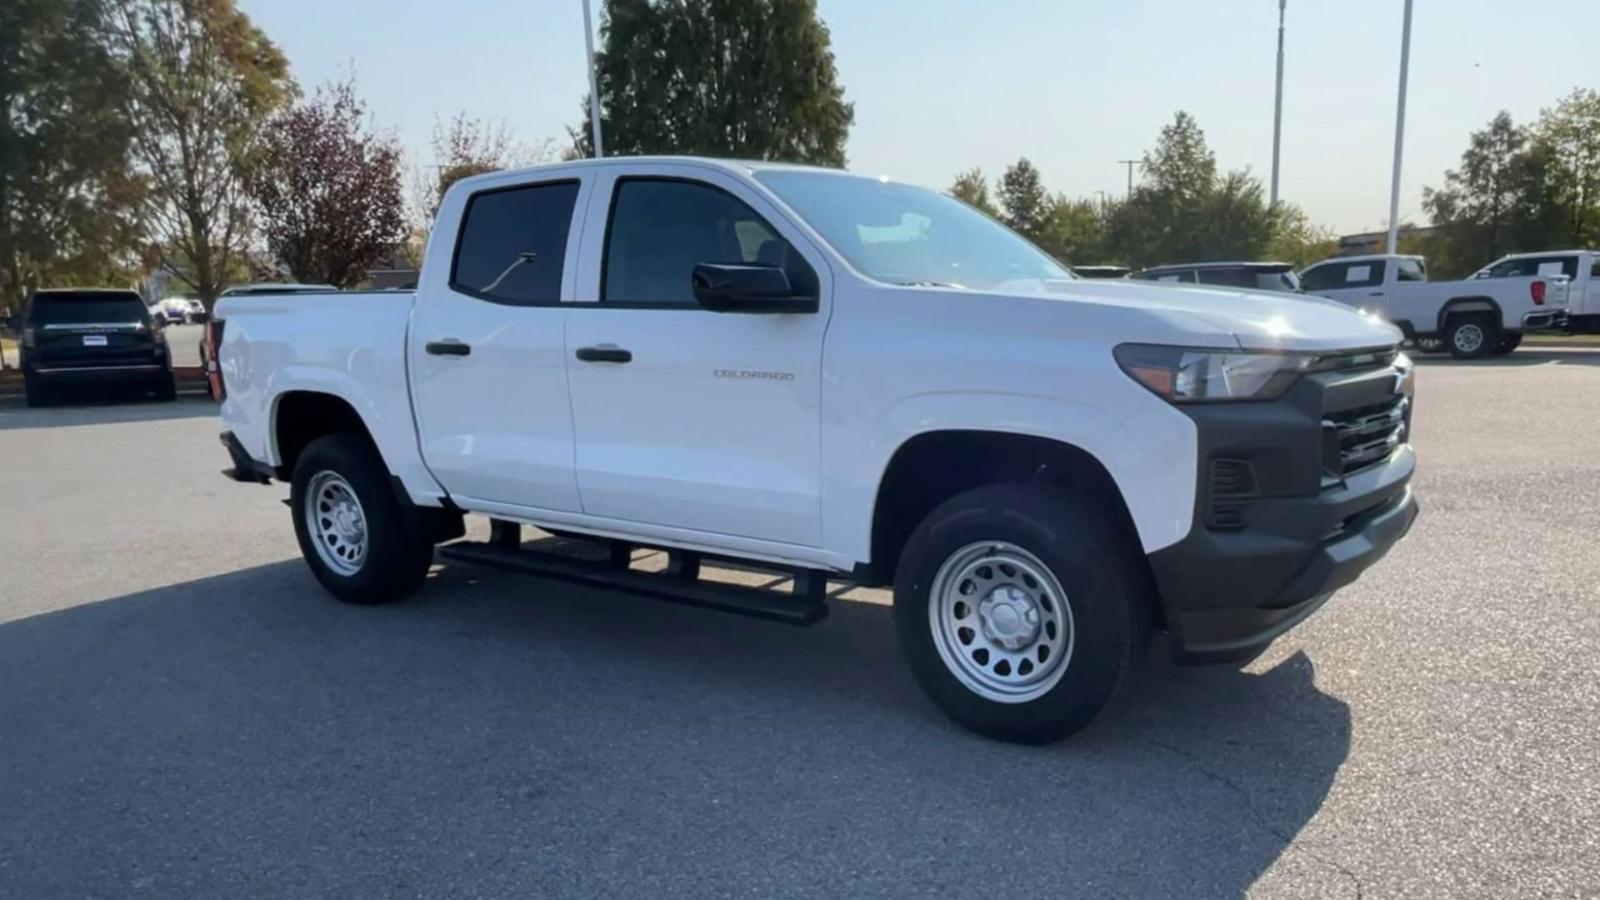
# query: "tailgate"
94,345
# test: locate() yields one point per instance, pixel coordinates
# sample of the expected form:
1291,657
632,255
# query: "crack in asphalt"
1259,818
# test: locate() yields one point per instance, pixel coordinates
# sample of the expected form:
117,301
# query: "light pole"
1130,163
1399,132
594,83
1277,108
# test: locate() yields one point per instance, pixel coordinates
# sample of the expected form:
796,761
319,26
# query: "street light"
1399,132
1277,108
594,83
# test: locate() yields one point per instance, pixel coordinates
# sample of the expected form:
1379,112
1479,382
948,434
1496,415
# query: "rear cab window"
74,308
512,245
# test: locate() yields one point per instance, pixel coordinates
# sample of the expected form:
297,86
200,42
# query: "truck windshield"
910,235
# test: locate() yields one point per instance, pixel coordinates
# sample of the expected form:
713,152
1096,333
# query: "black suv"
1254,276
92,336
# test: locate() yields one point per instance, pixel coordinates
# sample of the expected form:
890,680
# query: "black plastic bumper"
133,373
1278,527
244,468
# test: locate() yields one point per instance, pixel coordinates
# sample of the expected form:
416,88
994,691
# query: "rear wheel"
1508,343
349,524
1019,608
1471,336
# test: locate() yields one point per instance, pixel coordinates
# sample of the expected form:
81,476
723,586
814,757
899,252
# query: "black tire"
167,390
1508,344
1471,335
1429,344
395,561
1096,563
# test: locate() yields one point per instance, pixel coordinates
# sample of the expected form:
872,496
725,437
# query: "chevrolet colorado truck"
843,379
1471,319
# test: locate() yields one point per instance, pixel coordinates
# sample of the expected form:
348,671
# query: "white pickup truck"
841,378
1580,267
1471,319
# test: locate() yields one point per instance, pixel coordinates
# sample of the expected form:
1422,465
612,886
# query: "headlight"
1188,375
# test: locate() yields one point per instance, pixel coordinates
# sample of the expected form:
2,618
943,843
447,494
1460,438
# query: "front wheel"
349,524
1508,343
1019,608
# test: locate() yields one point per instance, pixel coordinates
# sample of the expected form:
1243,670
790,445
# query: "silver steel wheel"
336,522
1468,337
1001,622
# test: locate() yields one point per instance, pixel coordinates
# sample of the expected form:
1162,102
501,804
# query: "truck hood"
1262,320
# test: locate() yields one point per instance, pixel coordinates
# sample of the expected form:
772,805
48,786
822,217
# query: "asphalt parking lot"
184,713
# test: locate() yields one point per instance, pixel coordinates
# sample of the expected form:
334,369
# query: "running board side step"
679,582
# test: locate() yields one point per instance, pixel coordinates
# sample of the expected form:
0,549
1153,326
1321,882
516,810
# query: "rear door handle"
605,353
448,347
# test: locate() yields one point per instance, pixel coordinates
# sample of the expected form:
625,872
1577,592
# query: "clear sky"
943,85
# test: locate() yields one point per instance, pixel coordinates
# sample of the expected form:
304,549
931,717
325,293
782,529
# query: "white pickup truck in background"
840,378
1472,319
1580,267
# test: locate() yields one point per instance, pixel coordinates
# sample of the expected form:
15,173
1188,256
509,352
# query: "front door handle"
605,353
1376,294
448,347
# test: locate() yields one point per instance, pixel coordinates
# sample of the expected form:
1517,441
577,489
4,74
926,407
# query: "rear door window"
87,308
1326,277
513,244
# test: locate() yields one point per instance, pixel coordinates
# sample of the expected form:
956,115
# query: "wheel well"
1464,305
304,416
931,468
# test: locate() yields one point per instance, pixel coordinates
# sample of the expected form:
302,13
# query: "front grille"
1354,439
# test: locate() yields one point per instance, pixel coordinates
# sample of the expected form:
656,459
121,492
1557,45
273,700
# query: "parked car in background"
1100,271
1582,267
1255,276
100,337
1472,319
171,311
774,363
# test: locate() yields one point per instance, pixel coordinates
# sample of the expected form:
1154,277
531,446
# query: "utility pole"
1399,133
594,82
1277,108
1130,163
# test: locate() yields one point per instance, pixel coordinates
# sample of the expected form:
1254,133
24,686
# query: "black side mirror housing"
737,288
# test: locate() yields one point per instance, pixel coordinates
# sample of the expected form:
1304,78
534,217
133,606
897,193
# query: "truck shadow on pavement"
499,735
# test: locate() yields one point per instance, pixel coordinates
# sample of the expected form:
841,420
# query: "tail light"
1536,289
219,391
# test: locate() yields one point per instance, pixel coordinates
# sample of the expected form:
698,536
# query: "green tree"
1497,201
1569,136
1024,202
204,82
68,205
328,189
1183,211
972,188
750,79
1298,240
1075,230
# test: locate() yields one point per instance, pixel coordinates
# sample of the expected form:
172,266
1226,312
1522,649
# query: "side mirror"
733,288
